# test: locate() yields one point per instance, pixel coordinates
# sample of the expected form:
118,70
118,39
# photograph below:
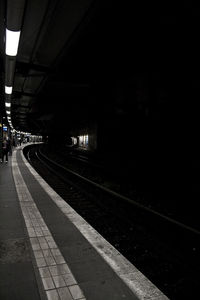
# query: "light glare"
8,90
12,42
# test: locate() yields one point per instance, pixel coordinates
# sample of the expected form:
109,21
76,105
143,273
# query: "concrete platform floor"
48,251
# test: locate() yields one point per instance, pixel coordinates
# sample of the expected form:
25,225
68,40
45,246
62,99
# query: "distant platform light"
74,140
12,42
8,112
83,140
8,90
8,104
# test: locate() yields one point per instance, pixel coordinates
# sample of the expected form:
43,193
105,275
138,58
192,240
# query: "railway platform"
48,251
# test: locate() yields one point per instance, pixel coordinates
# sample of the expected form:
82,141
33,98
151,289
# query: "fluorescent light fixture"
12,42
8,112
8,89
8,104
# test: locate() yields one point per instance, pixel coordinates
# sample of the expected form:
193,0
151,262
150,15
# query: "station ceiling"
73,56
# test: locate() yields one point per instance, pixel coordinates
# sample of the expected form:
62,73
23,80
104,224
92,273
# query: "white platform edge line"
139,284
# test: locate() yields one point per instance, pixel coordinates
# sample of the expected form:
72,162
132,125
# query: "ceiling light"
8,104
8,89
8,112
12,42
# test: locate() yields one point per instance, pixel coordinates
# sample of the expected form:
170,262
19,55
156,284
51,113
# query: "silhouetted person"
9,144
5,148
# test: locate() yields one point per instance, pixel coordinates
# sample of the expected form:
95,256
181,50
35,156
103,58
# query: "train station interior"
94,200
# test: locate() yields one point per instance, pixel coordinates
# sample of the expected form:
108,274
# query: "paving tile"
56,252
64,269
52,245
69,279
38,231
46,232
54,270
28,223
31,232
49,239
38,253
34,241
44,272
41,240
41,262
44,246
64,294
59,259
59,281
36,247
52,295
48,283
44,227
35,223
50,261
47,252
76,292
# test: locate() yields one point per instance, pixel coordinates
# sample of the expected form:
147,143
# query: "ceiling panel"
32,84
18,82
26,100
65,19
34,17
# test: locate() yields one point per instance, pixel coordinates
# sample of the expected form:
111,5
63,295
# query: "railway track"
165,250
128,179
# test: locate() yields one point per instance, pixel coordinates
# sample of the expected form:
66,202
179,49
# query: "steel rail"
119,196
